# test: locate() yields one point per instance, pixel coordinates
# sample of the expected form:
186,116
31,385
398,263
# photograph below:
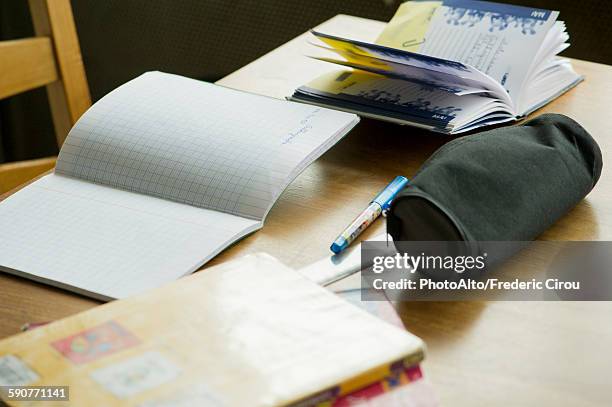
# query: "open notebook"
157,178
449,66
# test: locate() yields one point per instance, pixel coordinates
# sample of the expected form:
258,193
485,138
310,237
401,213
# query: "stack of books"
407,388
449,66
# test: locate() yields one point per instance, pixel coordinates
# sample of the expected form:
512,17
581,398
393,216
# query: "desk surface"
520,353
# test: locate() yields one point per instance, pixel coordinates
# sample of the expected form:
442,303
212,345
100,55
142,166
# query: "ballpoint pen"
380,203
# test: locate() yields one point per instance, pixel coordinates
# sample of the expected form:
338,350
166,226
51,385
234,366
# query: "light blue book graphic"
480,63
499,17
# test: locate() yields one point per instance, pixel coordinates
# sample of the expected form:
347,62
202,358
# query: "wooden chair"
53,59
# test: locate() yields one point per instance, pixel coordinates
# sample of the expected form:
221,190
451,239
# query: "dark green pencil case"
506,184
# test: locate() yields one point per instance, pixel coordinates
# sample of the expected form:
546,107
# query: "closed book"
250,332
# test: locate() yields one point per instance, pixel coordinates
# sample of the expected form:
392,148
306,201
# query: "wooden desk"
509,353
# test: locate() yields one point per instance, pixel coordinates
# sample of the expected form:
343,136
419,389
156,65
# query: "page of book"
157,178
500,40
380,97
197,143
360,48
516,46
425,76
419,68
105,242
549,75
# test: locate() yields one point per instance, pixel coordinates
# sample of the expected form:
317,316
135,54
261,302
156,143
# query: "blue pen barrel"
358,225
385,197
380,203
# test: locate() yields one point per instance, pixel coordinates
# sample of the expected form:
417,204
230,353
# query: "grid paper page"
107,243
196,143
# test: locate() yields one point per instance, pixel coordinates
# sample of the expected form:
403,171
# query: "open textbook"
449,66
155,179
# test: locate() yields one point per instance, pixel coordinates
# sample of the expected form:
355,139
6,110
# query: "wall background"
208,39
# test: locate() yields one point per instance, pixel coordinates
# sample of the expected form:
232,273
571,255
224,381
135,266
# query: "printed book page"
359,48
499,40
197,143
107,243
440,109
550,75
423,69
424,76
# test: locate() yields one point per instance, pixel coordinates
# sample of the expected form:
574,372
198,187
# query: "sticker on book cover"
135,375
196,395
15,372
96,342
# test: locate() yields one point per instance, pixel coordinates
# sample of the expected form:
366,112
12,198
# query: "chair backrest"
53,59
